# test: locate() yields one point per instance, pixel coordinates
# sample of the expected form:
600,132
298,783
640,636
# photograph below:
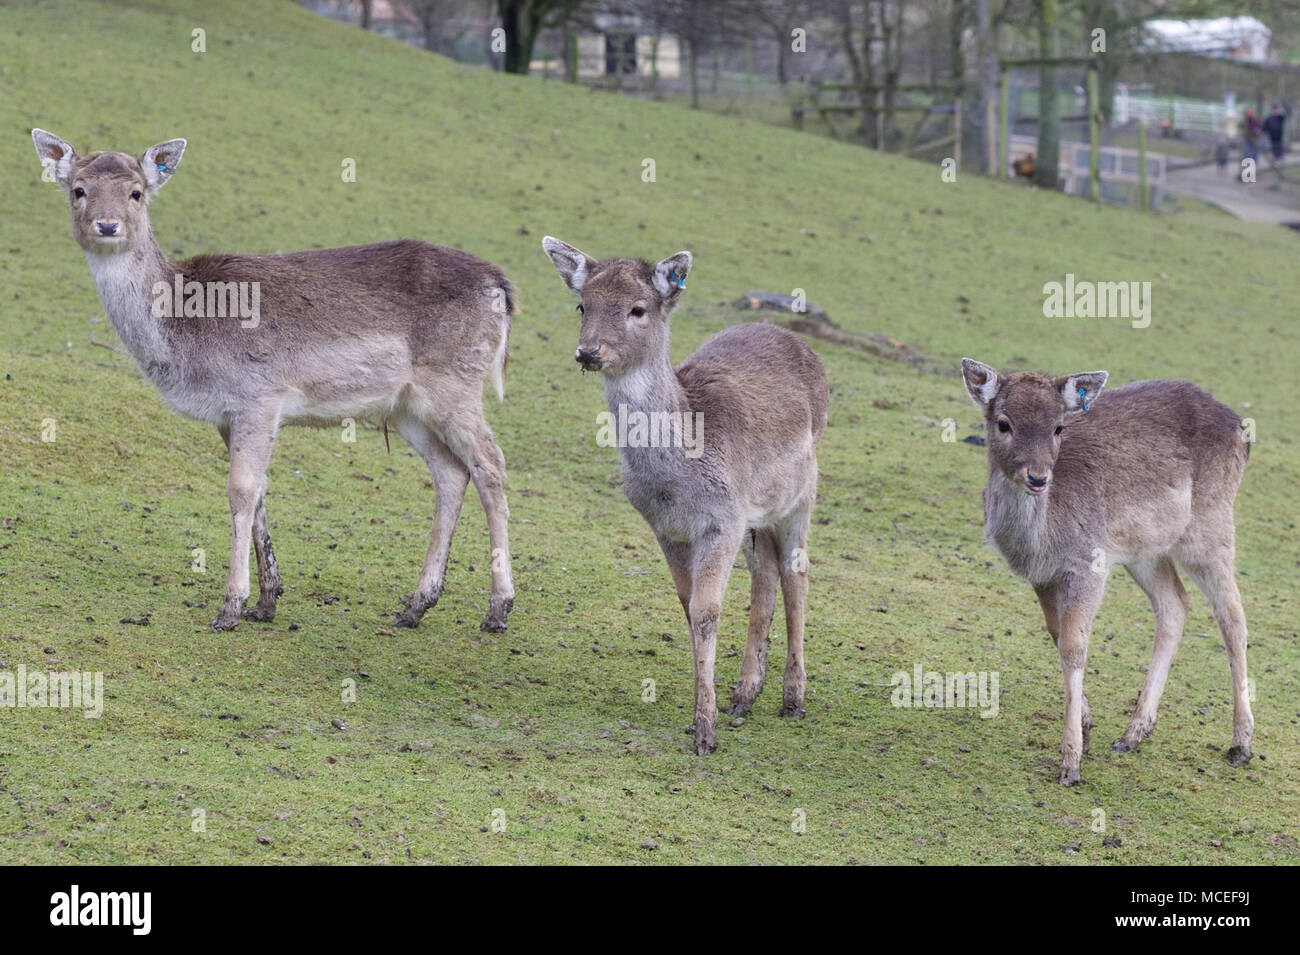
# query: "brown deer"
1143,476
752,402
402,332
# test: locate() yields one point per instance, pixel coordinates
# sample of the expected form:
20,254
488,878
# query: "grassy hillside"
546,722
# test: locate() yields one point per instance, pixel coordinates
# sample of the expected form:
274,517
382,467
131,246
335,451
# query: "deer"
754,401
1143,476
401,332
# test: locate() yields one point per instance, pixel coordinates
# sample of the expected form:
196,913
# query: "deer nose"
1036,480
108,227
587,356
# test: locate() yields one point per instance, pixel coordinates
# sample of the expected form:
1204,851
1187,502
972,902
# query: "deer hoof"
225,622
705,746
498,610
407,619
261,613
792,710
1239,756
741,707
1070,776
1122,745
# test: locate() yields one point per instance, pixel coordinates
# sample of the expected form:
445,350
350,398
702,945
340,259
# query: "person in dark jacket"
1273,129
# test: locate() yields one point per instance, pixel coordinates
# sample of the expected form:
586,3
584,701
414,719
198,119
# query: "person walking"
1221,155
1252,130
1273,128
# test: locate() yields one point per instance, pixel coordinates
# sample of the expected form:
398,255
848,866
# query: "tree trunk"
1047,161
695,73
429,24
521,22
782,50
988,67
367,13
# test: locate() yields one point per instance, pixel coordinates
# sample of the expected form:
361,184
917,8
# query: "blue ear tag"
672,277
162,167
1083,400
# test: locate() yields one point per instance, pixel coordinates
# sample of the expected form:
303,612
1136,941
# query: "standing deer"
754,400
400,331
1143,476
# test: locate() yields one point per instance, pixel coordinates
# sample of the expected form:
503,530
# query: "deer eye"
135,194
1004,426
1059,429
79,192
580,308
638,312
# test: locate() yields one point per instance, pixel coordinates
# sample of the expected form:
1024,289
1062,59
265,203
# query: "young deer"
395,331
755,399
1143,476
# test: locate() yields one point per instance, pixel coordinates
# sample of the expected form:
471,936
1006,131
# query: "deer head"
625,305
107,192
1025,417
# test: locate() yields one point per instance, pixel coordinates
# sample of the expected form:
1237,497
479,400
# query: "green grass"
547,721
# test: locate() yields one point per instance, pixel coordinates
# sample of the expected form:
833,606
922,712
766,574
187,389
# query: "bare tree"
430,14
780,17
1047,162
523,20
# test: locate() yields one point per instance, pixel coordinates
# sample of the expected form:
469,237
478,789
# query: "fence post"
1094,159
1003,146
956,133
1142,166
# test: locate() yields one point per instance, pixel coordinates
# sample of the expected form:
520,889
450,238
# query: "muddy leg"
712,568
760,551
268,571
450,480
251,437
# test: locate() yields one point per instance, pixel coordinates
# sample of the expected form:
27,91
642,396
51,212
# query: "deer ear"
982,382
670,274
573,264
159,162
1079,391
56,156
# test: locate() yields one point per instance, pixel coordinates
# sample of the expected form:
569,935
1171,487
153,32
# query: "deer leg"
1047,595
712,567
1218,581
450,480
268,571
469,438
760,552
1159,580
792,556
251,437
1075,612
678,556
488,472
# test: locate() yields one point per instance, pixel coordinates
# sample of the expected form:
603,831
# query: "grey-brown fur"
400,332
763,397
1145,478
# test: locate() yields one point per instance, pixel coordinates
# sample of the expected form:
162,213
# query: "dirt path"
1266,200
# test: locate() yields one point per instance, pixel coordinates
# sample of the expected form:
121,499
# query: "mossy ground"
546,722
